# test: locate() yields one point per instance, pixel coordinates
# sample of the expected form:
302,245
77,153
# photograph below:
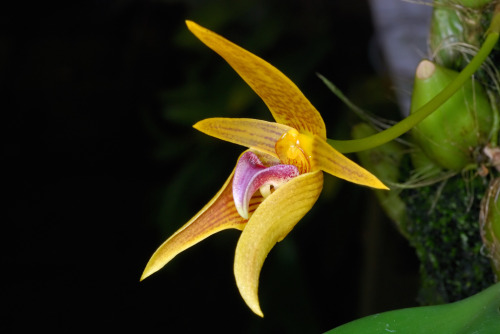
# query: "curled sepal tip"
269,224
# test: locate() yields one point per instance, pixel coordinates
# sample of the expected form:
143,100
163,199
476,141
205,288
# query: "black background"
102,165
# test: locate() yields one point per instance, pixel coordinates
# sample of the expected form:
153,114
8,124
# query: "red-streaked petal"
250,175
219,214
284,99
252,133
271,222
328,159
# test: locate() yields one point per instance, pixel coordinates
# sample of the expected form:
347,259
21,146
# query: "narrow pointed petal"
329,160
270,223
252,133
219,214
284,99
250,175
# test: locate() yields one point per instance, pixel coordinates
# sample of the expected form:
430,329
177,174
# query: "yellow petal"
284,99
271,222
328,159
219,214
253,133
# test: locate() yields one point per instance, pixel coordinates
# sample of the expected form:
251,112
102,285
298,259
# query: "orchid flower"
275,182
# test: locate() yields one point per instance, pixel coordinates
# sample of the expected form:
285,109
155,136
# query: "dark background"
101,165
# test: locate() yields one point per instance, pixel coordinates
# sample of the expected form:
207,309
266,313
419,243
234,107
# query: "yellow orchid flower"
275,183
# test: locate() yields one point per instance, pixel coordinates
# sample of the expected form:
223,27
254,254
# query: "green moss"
444,229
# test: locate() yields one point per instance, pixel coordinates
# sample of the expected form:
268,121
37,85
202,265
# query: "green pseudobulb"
450,135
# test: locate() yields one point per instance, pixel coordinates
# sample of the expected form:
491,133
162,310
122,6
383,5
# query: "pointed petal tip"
204,126
371,181
379,185
196,29
258,311
249,294
148,271
190,24
197,125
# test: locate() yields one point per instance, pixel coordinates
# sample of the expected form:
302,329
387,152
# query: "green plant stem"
356,145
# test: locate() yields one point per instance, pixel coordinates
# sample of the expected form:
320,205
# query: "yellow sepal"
252,133
219,214
329,160
271,222
283,98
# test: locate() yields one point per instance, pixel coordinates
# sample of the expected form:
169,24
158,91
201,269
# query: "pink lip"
250,175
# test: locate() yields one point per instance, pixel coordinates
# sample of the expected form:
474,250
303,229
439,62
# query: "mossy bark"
444,229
